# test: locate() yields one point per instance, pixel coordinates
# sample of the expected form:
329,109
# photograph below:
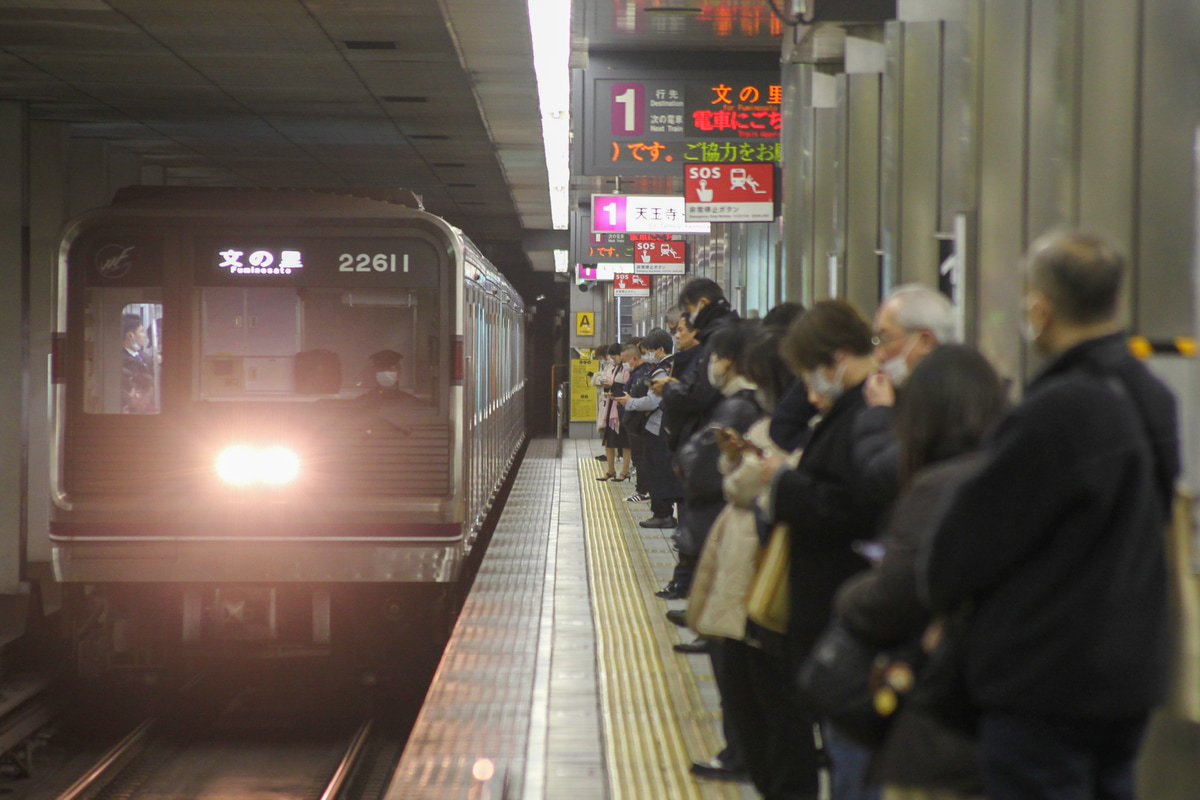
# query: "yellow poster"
585,323
583,394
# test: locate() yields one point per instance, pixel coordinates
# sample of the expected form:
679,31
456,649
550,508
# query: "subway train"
280,418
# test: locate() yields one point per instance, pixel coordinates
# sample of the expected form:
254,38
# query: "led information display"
656,123
243,260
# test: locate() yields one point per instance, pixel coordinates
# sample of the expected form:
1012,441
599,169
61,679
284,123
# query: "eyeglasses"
879,340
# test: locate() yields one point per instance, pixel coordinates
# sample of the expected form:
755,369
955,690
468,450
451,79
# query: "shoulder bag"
767,603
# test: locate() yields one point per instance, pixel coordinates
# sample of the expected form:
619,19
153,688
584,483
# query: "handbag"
857,685
767,603
941,686
1183,699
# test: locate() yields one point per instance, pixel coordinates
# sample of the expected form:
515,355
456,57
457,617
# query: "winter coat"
792,416
1059,541
824,502
883,607
721,585
878,453
697,464
689,403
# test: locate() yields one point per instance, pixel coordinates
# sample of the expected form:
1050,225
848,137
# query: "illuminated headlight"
245,466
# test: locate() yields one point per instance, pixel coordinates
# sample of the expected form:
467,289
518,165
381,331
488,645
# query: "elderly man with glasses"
909,324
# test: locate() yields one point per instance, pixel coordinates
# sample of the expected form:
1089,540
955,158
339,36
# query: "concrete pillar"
47,213
14,245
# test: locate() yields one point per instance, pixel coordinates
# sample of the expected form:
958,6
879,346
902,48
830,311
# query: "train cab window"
123,351
300,344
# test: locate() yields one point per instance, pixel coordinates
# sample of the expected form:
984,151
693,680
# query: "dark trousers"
637,453
773,727
732,756
656,459
1032,758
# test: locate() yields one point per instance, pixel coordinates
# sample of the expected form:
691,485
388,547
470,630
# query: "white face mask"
386,379
896,368
831,390
718,373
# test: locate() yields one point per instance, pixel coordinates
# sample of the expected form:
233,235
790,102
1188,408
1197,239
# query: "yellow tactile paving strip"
655,723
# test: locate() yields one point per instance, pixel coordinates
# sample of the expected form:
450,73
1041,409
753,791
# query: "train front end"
258,428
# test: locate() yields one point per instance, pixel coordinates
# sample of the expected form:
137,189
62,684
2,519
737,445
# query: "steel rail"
353,753
107,767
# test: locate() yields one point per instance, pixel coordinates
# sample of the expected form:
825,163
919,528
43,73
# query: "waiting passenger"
704,499
638,385
910,322
614,438
656,459
825,504
748,676
1059,542
949,403
792,411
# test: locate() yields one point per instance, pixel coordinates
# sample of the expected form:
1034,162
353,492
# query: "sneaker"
637,498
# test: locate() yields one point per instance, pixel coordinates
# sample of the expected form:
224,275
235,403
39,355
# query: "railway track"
147,764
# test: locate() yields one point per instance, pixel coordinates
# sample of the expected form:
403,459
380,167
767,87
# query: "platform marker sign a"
725,193
629,284
585,323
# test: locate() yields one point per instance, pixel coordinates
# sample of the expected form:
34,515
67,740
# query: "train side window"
123,351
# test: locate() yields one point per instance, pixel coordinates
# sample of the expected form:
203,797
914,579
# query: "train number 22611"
365,262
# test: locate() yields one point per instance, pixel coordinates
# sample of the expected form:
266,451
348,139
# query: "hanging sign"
723,193
641,213
656,258
629,284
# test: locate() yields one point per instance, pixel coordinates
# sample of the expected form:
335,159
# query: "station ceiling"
436,96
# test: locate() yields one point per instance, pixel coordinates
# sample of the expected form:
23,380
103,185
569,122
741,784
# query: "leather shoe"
701,645
672,591
659,522
716,771
677,616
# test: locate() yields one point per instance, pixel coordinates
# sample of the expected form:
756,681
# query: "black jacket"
882,606
1059,541
697,462
688,404
824,503
878,453
789,423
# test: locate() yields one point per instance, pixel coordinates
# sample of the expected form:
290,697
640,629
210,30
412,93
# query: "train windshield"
299,343
124,356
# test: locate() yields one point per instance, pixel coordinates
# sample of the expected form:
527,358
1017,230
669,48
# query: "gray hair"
674,313
921,308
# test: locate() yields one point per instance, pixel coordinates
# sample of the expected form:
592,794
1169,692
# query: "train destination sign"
641,213
724,193
628,284
316,261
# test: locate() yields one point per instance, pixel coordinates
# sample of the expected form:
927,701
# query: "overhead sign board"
599,272
641,213
657,258
724,193
653,122
630,284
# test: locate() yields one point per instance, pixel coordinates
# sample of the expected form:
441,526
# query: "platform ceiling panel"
300,93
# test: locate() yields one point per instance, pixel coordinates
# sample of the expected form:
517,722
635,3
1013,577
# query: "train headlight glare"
246,466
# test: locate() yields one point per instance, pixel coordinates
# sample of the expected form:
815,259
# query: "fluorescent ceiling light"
560,260
550,25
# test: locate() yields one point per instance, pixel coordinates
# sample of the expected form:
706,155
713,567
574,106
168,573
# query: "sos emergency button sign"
729,193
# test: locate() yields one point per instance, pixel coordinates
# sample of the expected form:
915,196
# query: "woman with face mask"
823,499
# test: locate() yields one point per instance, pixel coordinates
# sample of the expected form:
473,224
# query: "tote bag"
767,604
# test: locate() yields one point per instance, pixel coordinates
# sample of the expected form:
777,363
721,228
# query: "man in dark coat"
1059,542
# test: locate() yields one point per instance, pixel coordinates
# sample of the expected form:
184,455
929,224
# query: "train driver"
386,366
137,373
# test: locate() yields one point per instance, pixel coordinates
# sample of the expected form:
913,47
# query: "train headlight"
246,466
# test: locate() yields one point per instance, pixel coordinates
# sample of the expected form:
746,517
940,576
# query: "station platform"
559,680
